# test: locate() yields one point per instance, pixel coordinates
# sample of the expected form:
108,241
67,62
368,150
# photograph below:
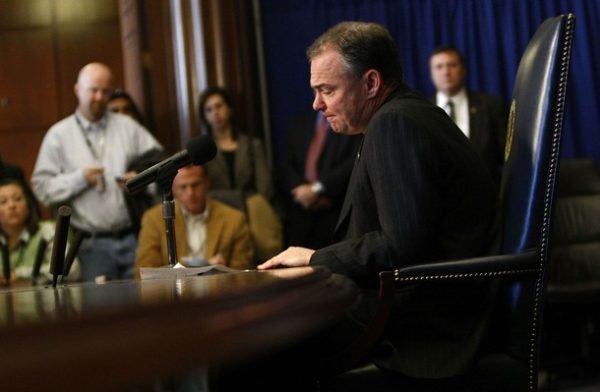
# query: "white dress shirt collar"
195,225
460,101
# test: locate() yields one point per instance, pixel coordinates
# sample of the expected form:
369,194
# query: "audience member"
121,102
418,192
241,160
317,167
240,174
8,170
22,232
137,203
82,162
482,118
205,229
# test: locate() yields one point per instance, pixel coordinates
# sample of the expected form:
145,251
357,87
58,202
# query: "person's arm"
148,252
242,254
397,161
50,184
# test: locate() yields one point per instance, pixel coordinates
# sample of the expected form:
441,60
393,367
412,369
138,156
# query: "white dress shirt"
64,154
461,108
195,232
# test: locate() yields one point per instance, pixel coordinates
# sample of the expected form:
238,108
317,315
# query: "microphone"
199,150
60,243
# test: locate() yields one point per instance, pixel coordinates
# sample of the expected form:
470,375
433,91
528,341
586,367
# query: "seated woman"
23,234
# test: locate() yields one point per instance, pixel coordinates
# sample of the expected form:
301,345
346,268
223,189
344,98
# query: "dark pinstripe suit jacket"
418,192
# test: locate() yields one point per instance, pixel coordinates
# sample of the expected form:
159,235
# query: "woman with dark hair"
22,233
239,173
241,161
121,102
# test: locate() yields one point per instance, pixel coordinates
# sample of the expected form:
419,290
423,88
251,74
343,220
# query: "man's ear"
373,83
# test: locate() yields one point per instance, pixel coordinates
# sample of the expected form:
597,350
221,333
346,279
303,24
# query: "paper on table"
181,271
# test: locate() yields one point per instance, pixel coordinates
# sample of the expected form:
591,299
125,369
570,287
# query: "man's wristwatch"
317,187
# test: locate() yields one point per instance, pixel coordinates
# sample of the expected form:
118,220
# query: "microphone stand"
164,179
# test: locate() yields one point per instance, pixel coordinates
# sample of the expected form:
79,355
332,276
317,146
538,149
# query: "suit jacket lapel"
347,206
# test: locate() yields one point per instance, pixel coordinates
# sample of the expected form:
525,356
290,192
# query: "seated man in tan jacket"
204,228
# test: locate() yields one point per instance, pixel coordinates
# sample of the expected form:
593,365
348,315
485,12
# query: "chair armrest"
479,267
527,262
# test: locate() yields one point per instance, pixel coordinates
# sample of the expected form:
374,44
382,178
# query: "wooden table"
110,336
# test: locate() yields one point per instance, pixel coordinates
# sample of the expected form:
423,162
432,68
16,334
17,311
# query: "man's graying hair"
363,46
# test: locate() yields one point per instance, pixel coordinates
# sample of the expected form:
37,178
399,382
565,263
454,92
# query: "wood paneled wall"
231,58
43,44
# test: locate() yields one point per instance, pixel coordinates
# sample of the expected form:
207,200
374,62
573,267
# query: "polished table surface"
122,333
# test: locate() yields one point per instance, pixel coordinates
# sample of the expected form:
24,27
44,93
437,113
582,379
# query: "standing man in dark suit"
482,118
317,168
418,192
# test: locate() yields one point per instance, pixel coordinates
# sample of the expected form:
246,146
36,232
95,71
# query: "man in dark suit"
418,192
317,168
481,117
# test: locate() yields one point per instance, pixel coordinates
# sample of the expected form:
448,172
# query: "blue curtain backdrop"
491,33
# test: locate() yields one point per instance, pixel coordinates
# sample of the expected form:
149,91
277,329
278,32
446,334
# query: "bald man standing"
78,163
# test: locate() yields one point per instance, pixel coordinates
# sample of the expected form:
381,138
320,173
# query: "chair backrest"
529,177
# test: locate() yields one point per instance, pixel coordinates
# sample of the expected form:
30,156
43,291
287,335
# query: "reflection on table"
73,336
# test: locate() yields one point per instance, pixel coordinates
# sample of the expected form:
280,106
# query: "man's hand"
294,256
94,176
121,181
92,173
217,259
304,196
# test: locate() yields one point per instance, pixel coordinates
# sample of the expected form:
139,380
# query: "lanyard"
99,151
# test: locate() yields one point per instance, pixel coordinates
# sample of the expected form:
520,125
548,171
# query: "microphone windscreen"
60,240
201,149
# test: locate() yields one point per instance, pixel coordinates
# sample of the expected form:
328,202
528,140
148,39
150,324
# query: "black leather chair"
571,330
527,193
